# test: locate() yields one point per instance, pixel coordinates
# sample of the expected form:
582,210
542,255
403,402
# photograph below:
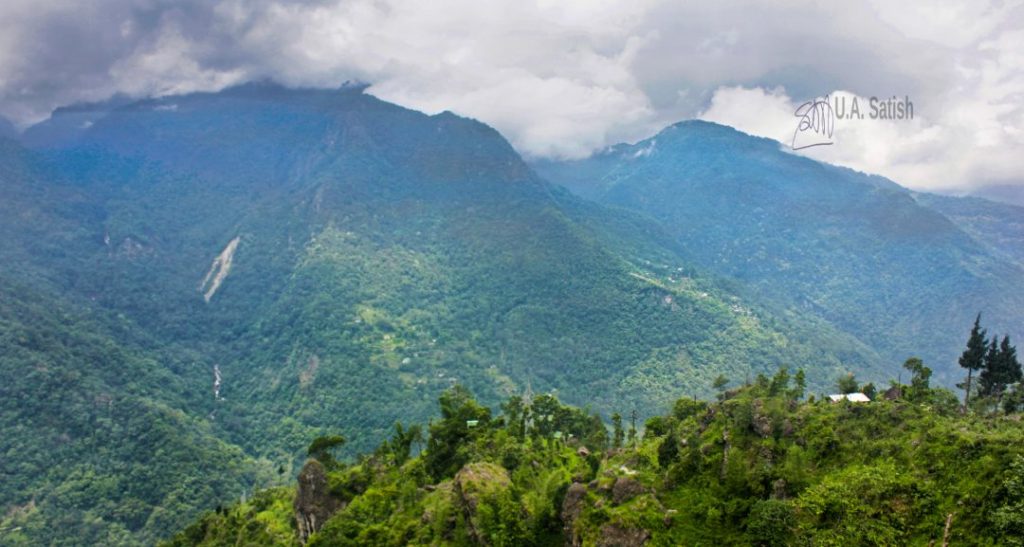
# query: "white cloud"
563,78
971,134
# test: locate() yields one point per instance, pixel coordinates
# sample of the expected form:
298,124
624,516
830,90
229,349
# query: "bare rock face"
313,502
572,506
760,422
612,535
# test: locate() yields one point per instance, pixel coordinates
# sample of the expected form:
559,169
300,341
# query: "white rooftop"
854,397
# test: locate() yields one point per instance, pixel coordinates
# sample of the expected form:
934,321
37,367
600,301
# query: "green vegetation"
898,271
381,256
758,467
1000,369
96,448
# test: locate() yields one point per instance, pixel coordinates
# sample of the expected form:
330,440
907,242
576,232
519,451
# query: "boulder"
626,489
613,535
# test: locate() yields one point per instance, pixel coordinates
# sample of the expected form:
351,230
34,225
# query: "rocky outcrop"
760,422
476,484
313,501
572,507
626,489
612,535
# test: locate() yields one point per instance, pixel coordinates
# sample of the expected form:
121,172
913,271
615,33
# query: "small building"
852,397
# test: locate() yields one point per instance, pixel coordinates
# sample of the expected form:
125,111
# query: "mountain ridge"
799,229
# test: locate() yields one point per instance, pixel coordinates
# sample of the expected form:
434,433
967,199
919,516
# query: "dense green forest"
763,464
96,448
900,271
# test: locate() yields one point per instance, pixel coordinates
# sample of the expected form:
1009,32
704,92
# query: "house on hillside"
852,397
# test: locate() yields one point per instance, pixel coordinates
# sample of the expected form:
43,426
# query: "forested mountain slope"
324,254
854,250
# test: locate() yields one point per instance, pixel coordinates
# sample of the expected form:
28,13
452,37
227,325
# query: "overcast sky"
562,78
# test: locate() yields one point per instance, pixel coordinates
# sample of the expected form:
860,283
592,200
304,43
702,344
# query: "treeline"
993,382
761,465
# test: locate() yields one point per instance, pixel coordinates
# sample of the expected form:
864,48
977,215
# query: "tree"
1014,401
546,412
847,383
973,358
780,382
655,426
869,390
991,370
685,408
617,433
920,385
597,433
515,415
668,450
632,428
1001,368
800,385
401,443
771,523
321,447
1011,365
459,409
720,382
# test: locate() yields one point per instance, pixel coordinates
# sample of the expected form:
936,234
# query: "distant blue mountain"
1012,194
999,226
7,129
855,250
68,123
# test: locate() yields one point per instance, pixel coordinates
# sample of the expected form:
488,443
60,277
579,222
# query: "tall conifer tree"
973,357
989,377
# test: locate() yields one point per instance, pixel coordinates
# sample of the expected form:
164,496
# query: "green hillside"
853,250
762,466
102,440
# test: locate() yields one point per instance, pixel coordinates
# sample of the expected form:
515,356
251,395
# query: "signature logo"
817,123
817,118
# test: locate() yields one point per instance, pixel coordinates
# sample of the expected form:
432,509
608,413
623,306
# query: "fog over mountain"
569,78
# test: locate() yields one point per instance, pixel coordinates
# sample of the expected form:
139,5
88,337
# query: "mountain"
997,225
67,123
1012,194
7,129
105,438
335,262
854,250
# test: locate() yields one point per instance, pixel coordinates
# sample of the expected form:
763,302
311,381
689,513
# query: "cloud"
970,135
562,79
